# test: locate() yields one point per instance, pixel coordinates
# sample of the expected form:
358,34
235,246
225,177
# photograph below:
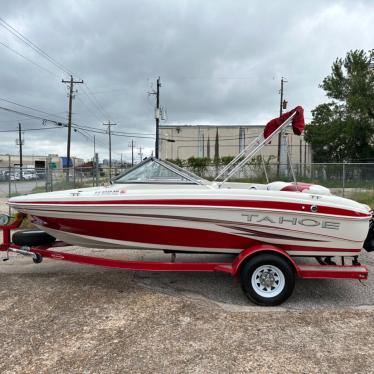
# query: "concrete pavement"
58,317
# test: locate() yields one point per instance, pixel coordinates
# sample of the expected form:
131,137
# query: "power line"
93,114
38,129
31,108
95,101
97,130
176,137
27,59
30,115
53,61
33,46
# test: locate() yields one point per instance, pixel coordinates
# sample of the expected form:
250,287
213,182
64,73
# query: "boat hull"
219,226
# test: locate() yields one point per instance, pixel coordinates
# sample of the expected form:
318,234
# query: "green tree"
225,160
176,161
343,129
198,164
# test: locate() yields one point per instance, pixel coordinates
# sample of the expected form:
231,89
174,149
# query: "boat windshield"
153,170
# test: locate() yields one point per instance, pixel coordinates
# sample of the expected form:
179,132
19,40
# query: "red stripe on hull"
158,235
166,235
274,205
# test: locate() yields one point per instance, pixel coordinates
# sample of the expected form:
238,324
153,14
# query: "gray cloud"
219,62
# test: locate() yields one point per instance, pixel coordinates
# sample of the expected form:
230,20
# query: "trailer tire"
38,259
267,279
32,238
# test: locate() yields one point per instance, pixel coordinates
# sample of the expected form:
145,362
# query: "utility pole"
94,141
97,171
71,83
282,105
110,146
132,152
20,142
9,182
157,115
94,157
140,154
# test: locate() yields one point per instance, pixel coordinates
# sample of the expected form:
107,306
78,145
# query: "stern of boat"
369,241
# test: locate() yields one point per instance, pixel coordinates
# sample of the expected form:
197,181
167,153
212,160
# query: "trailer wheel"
267,279
38,259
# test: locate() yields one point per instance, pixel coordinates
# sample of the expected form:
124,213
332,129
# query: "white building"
35,162
183,142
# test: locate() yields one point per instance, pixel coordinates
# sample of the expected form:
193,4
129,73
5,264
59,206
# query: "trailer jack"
24,251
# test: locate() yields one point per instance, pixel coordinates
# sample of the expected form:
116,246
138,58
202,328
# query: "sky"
220,62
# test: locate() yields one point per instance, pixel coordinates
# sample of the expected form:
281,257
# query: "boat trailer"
257,266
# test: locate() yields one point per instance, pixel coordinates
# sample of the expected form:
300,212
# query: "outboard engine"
369,242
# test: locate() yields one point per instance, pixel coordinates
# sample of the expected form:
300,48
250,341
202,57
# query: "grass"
62,185
364,197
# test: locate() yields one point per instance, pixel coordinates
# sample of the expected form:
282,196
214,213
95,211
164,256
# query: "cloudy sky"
220,62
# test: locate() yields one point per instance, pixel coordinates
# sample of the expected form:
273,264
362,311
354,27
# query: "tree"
198,164
343,129
216,148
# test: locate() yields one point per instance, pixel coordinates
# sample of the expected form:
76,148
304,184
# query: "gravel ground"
58,317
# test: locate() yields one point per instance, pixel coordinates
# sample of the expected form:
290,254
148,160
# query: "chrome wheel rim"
268,281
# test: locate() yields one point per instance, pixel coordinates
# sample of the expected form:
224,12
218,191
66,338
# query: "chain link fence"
16,181
341,178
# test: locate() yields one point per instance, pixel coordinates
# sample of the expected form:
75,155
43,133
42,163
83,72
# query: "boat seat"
300,187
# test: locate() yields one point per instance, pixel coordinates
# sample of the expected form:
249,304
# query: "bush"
198,164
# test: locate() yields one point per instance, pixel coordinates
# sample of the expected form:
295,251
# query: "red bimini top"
298,122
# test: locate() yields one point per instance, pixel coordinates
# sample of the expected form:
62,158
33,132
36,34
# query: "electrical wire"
92,98
27,59
88,92
31,108
36,129
92,113
30,115
32,45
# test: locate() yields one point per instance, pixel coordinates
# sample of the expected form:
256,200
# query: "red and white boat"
157,205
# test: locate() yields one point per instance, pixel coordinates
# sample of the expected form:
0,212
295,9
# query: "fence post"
92,172
343,179
97,168
10,185
46,176
73,172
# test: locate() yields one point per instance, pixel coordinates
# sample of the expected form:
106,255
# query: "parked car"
29,175
15,176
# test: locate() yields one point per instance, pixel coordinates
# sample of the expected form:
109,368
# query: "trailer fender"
257,249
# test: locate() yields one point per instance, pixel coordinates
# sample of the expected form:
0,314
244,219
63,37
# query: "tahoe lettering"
308,222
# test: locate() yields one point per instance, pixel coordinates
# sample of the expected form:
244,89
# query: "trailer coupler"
24,251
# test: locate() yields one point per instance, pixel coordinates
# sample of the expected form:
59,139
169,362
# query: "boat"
158,205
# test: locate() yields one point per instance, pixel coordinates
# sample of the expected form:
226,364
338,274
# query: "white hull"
200,218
